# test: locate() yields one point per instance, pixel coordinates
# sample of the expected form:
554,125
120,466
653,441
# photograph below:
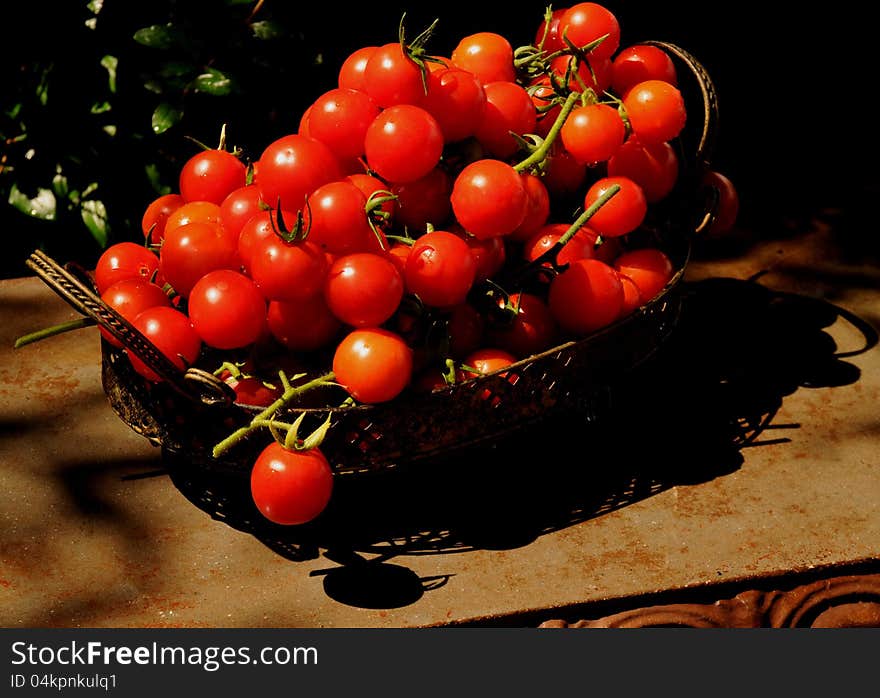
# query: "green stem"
52,331
265,416
540,153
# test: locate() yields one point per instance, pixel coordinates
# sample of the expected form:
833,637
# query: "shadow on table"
682,418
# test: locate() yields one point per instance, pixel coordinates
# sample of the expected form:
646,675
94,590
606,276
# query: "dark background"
794,84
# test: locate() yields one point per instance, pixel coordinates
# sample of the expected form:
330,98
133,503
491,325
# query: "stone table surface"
760,457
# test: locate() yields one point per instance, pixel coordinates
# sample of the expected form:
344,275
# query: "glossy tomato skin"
226,310
486,360
532,330
653,167
391,77
192,250
373,364
239,207
292,167
586,297
593,133
211,175
339,119
456,99
509,108
727,209
259,227
363,289
649,268
489,198
124,260
288,271
338,219
585,22
623,212
537,208
582,245
156,215
351,73
291,487
171,332
426,200
656,111
632,297
487,55
129,298
403,143
440,269
635,64
306,325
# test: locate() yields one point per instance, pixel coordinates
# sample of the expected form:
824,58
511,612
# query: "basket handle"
191,383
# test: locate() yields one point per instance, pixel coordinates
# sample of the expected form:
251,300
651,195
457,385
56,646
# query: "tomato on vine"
291,487
373,364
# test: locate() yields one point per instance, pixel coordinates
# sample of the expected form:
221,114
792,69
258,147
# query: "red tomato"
440,269
563,175
547,37
653,167
464,329
509,109
211,175
426,200
581,246
623,212
373,364
728,202
250,390
586,297
288,271
593,133
156,215
195,212
632,297
190,251
398,253
403,144
239,207
656,111
543,95
585,22
170,331
339,118
594,74
489,198
531,331
130,297
226,310
456,99
638,63
291,487
487,55
537,208
369,186
351,74
363,289
487,360
261,226
292,167
391,77
124,260
649,268
338,219
305,325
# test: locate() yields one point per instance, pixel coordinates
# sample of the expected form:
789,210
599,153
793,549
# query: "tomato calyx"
300,230
416,50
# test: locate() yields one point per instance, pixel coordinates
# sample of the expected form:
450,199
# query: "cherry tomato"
593,133
653,167
486,360
195,212
426,200
464,328
338,219
547,107
156,215
537,208
489,198
250,390
594,73
339,118
649,268
547,36
489,253
509,109
363,289
261,226
370,186
291,487
531,331
581,246
170,331
586,297
623,212
130,297
238,207
656,111
351,73
456,99
632,297
288,271
487,55
373,364
638,63
585,22
306,325
391,77
226,310
440,269
292,167
403,144
190,251
398,253
211,175
563,175
124,260
728,202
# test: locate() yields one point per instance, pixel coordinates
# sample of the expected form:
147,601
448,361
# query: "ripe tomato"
306,325
653,167
728,202
426,200
369,186
195,212
563,175
486,360
226,310
487,55
543,95
156,215
260,226
649,268
292,167
509,109
593,133
291,487
363,289
489,198
531,331
124,260
585,22
403,144
338,219
537,208
130,297
621,214
638,63
339,119
251,391
581,246
239,207
489,254
456,99
464,328
398,253
190,251
170,331
391,77
288,271
656,111
351,73
373,364
547,36
586,297
440,269
211,175
594,74
632,297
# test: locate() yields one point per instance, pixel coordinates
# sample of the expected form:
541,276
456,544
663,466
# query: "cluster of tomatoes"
417,226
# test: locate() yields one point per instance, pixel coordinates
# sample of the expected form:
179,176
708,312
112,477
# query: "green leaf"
100,107
43,87
267,30
94,215
91,188
214,83
42,206
109,129
155,179
164,117
154,86
59,185
159,36
110,63
14,111
95,6
176,69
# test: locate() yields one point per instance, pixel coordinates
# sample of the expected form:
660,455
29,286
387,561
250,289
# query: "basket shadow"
681,418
